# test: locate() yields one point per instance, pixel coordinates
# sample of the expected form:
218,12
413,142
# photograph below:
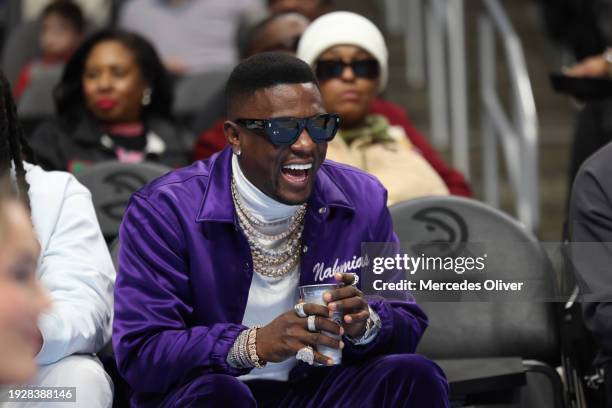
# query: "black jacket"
590,229
60,145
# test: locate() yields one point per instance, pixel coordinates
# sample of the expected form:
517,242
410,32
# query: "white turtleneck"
268,297
264,208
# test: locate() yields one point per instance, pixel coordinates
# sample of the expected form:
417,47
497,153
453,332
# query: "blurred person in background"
113,103
593,126
74,266
280,32
99,12
191,36
349,57
22,297
309,8
583,29
590,231
61,32
580,27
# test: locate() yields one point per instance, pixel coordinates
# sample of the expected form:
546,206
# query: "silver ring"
312,323
305,354
356,280
299,309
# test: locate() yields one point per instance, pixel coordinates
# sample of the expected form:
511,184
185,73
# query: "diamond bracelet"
243,353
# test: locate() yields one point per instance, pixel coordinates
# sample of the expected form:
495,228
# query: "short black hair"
265,70
68,10
68,94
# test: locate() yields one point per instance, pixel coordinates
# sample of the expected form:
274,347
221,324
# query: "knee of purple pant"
413,367
424,382
214,390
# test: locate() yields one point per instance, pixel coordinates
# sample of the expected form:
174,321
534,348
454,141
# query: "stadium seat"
36,104
492,352
20,48
199,100
111,184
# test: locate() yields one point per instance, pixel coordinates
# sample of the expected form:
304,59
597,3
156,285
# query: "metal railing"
445,64
445,48
517,135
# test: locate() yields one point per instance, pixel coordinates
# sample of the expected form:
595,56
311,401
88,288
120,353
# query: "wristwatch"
373,325
608,57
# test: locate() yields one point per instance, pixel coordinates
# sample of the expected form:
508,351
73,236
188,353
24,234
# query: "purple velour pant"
398,380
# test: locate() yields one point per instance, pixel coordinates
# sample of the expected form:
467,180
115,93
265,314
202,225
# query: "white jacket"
75,266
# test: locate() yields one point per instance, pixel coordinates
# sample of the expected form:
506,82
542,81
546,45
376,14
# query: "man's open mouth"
296,174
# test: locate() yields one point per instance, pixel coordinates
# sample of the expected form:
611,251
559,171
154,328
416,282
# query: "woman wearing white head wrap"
350,58
344,27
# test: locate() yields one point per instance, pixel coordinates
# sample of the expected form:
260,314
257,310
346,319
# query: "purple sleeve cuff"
221,349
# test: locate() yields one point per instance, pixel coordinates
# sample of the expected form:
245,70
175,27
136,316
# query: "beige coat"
398,166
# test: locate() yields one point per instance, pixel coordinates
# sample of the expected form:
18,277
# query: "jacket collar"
217,204
88,131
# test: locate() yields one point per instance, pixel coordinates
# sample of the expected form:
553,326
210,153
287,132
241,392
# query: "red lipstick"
106,103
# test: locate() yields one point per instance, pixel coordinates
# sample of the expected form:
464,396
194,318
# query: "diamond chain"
277,262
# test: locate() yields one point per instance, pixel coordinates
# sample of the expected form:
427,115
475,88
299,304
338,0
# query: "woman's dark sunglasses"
328,69
285,131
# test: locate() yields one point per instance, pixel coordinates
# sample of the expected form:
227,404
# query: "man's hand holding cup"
351,302
286,335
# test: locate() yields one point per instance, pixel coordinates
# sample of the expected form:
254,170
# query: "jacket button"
305,249
322,210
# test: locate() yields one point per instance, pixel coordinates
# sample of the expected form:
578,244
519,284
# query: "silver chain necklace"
277,262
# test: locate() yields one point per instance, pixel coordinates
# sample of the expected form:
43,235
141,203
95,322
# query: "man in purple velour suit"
206,305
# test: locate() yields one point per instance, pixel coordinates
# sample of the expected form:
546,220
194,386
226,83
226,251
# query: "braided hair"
13,146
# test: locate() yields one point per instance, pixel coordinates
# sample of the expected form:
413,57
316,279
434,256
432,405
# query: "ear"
230,129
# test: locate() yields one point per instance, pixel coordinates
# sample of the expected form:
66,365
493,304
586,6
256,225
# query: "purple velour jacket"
185,269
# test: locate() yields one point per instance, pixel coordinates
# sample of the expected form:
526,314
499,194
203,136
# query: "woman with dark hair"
73,265
113,103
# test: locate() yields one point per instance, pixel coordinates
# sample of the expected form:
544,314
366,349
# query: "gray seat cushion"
112,184
490,328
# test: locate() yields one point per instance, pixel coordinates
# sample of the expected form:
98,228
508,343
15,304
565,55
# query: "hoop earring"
238,152
146,97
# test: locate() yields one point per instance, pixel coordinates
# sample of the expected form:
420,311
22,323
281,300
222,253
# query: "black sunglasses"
328,69
285,131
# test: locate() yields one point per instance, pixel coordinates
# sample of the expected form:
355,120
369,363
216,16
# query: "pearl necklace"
277,262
